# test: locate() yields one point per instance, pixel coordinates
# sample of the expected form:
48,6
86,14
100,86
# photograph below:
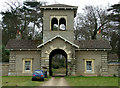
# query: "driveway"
56,82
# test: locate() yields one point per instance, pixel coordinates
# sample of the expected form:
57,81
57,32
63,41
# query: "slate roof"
93,44
33,44
58,5
22,44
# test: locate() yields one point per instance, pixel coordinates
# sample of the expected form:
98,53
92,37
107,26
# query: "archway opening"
54,24
58,63
62,24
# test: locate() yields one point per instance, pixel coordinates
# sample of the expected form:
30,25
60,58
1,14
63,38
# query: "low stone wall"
5,68
114,69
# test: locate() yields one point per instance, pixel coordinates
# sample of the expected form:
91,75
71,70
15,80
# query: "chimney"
18,35
99,35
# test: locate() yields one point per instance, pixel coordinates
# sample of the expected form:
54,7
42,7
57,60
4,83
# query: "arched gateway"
53,53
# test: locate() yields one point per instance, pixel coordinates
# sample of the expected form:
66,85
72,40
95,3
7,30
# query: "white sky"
79,3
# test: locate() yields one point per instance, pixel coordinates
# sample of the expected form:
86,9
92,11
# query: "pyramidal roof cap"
58,5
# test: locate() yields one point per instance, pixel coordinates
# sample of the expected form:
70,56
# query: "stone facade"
90,55
16,62
4,68
68,34
114,69
86,57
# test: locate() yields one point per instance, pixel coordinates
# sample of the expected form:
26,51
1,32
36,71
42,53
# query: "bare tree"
89,22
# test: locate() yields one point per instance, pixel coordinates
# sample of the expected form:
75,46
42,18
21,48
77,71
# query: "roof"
93,44
14,44
58,36
58,5
22,44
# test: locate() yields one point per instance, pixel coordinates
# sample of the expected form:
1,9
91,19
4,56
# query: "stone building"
83,57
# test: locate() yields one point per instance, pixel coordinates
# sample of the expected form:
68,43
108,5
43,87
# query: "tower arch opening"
57,62
54,24
62,24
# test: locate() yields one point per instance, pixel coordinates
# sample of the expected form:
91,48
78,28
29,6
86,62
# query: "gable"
58,36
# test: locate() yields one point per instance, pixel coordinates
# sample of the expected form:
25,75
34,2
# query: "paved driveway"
56,82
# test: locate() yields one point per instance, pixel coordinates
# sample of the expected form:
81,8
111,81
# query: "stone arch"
51,48
53,53
54,24
64,48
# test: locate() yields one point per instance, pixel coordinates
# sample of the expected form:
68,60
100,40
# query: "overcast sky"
79,3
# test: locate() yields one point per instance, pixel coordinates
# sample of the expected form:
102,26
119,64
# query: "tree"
115,17
26,18
22,18
114,42
93,19
32,14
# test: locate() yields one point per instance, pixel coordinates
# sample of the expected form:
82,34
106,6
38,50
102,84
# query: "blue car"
38,75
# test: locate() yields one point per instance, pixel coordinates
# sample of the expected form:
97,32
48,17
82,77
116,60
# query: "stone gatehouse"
83,57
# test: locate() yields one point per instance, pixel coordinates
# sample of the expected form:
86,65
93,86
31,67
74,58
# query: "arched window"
54,24
62,24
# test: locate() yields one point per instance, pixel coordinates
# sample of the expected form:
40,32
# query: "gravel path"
56,82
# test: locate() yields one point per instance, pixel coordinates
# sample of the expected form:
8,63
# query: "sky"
80,3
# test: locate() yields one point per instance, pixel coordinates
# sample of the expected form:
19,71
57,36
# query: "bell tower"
58,19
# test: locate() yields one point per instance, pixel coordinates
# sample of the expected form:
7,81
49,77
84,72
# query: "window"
58,23
62,24
54,24
27,65
89,66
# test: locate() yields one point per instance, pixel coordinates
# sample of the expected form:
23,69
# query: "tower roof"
60,7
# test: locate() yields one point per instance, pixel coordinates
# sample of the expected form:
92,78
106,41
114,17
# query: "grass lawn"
92,81
59,71
20,81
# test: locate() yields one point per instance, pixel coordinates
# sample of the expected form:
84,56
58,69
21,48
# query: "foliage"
115,17
5,54
26,18
58,61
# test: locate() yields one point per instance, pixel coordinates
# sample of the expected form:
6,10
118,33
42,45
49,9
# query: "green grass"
59,71
92,81
20,81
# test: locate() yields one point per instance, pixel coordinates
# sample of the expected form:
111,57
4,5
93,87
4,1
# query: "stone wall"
99,64
104,65
16,62
114,69
4,68
56,44
68,33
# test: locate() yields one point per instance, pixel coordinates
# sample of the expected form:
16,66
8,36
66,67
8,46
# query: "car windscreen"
38,72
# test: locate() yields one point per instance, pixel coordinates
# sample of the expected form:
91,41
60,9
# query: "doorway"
58,63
